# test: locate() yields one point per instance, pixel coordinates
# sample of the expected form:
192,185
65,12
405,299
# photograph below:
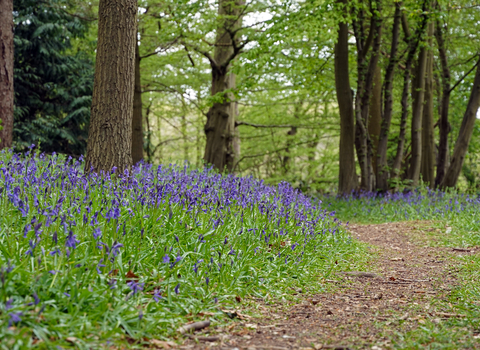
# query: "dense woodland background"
391,82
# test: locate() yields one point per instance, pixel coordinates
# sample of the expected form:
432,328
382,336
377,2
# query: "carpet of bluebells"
109,256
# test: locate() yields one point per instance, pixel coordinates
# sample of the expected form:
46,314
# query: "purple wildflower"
72,240
157,295
166,259
14,318
97,232
177,288
135,287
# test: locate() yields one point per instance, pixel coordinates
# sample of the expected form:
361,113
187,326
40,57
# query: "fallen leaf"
251,325
113,272
130,276
392,278
396,259
238,299
71,339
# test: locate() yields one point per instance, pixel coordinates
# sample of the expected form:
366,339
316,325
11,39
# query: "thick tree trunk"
137,120
6,73
465,134
220,127
347,177
382,162
418,95
110,131
428,140
375,119
443,125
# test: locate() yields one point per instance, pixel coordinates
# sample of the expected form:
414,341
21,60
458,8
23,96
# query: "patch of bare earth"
365,310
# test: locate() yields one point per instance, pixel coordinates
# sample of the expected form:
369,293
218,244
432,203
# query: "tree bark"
427,169
375,118
347,177
6,73
110,131
412,43
366,70
443,125
382,162
465,134
220,127
418,95
137,120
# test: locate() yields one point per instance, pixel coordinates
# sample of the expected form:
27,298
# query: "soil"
365,310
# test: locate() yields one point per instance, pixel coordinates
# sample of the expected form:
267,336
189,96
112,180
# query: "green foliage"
52,87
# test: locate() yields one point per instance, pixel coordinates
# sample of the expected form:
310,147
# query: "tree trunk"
347,177
443,125
110,131
412,43
382,162
220,127
366,70
137,120
418,95
375,118
428,140
465,134
6,73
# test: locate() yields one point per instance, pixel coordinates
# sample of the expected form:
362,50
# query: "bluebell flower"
14,318
135,287
157,295
166,259
72,240
177,288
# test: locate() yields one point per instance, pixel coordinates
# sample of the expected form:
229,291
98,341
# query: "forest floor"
406,291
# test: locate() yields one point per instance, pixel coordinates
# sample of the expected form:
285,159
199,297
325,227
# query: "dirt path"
399,294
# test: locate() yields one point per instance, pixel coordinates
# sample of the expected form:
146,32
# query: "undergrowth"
91,260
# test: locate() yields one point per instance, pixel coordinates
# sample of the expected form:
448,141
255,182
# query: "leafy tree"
53,85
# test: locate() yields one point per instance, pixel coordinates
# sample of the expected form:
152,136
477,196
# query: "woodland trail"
366,310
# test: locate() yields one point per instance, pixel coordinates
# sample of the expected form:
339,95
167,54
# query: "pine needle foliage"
53,86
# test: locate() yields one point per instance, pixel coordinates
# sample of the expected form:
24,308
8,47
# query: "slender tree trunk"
149,147
418,95
110,132
6,73
465,134
375,120
444,125
220,127
184,134
428,140
382,163
137,121
287,158
347,177
366,71
412,43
